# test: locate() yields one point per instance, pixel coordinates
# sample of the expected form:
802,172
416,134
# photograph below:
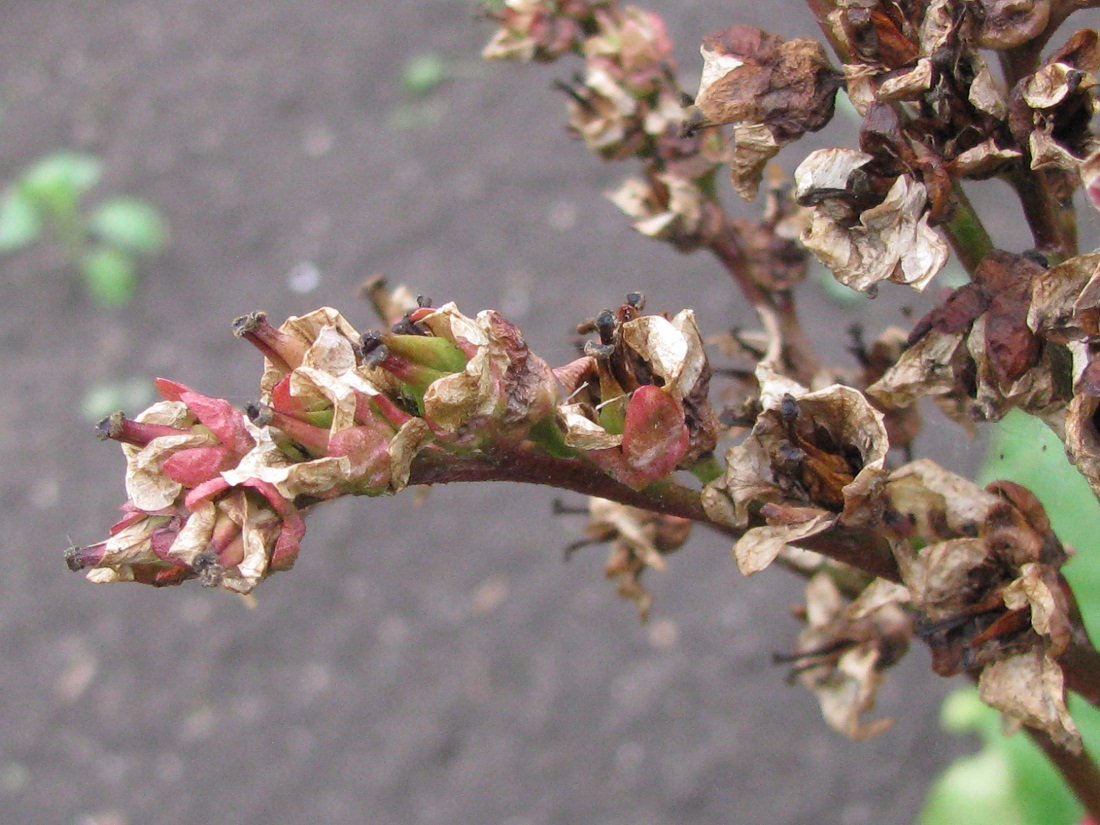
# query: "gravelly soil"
431,663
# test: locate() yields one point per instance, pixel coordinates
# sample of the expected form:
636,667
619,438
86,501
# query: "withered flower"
982,567
639,539
538,30
668,207
214,496
499,393
1065,310
812,461
977,352
864,237
845,648
643,410
772,90
1052,108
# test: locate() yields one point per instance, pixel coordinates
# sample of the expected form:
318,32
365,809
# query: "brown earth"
422,664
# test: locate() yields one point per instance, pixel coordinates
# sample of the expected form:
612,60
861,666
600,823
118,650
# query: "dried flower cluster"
817,471
218,495
628,104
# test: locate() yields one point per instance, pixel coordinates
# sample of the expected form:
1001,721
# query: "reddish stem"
799,355
1077,769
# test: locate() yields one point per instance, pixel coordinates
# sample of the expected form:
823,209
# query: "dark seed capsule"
605,325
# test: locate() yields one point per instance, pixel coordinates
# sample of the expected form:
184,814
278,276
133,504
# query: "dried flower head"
812,461
773,90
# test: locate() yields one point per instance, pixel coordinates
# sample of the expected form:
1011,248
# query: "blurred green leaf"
423,73
57,181
20,224
110,275
975,790
963,712
105,398
130,224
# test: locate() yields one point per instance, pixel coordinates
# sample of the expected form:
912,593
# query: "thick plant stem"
530,465
1081,661
1053,224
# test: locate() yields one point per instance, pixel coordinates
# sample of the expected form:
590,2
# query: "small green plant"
104,242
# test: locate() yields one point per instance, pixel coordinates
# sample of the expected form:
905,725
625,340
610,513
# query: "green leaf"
423,73
130,224
110,275
20,224
975,790
56,182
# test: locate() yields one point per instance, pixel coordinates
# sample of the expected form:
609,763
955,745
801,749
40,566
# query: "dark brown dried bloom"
773,90
812,461
977,352
982,567
1051,109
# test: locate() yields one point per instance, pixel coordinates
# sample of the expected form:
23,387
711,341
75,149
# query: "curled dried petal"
889,241
1030,689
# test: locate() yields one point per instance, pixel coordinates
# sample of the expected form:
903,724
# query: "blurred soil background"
425,662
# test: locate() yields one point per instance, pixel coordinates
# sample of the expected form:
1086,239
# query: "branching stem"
800,358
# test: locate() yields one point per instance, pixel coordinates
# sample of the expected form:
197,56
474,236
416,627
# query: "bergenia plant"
791,460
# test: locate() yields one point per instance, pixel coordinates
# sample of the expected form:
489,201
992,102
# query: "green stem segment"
965,232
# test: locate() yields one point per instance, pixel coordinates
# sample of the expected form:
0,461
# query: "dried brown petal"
984,160
775,90
1083,440
845,647
909,85
889,241
1009,23
754,144
307,329
1030,689
759,547
940,505
985,93
1037,590
1065,300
